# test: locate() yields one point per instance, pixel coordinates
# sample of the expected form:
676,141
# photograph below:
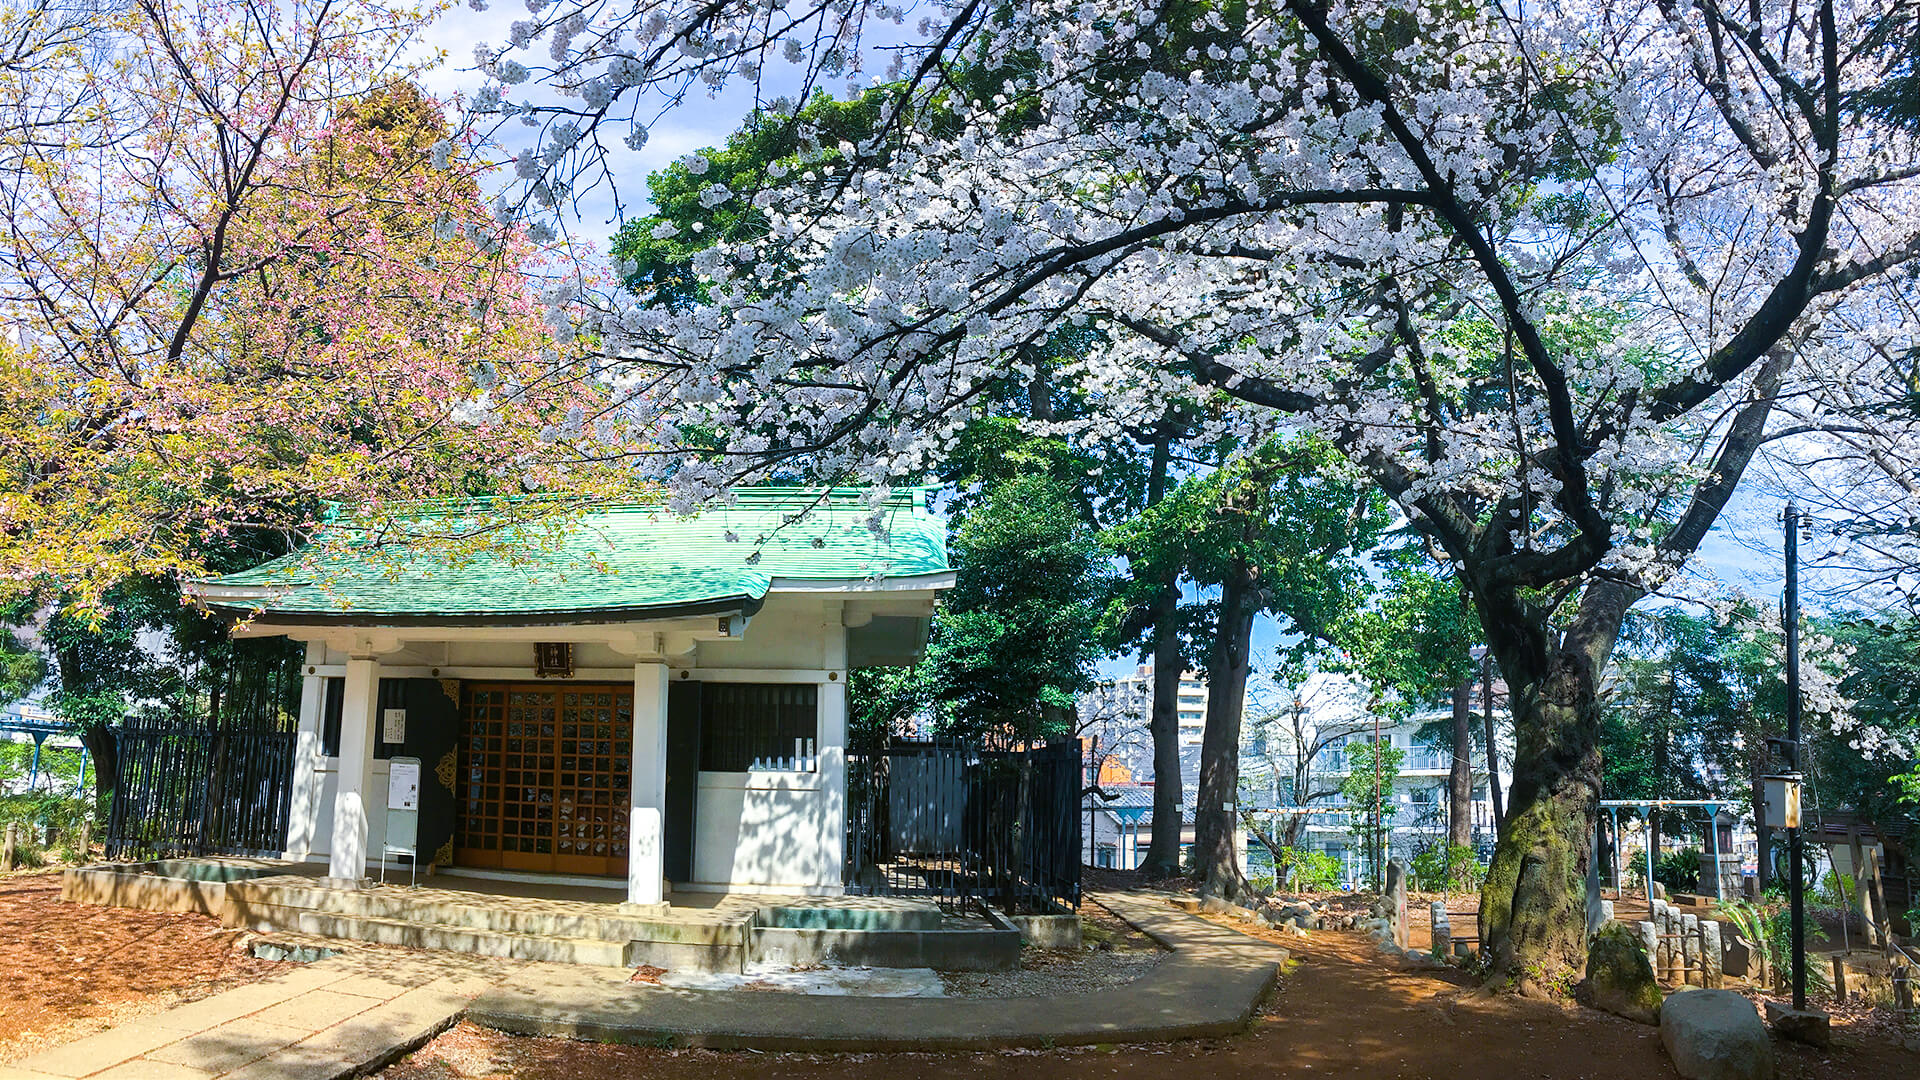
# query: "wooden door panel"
546,777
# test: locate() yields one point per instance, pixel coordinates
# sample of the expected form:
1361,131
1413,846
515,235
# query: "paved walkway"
1210,985
339,1017
357,1011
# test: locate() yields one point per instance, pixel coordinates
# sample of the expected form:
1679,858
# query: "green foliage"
1309,871
1678,869
21,668
1415,644
1769,927
1835,891
1291,509
660,267
1444,866
1371,768
882,700
1016,641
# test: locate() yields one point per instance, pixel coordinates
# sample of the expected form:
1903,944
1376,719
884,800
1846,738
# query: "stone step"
416,935
481,913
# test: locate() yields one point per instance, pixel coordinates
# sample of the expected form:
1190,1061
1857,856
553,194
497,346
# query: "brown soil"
1339,1011
68,970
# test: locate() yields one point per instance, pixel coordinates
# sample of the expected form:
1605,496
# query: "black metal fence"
213,773
966,826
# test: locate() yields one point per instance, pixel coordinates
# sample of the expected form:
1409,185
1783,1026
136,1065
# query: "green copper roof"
640,561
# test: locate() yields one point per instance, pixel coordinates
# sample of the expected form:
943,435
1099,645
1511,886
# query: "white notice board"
403,784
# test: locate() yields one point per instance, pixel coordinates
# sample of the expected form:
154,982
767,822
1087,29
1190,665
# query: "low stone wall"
189,885
1048,931
944,950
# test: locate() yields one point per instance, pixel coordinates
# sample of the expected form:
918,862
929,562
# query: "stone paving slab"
1210,985
340,1017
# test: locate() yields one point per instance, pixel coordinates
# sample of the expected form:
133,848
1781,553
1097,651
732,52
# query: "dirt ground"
1338,1012
69,970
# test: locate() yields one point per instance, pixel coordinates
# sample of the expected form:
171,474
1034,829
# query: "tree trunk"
1163,850
103,756
1460,779
1215,821
1533,906
1493,748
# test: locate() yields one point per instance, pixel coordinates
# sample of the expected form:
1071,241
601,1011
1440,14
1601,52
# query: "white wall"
762,830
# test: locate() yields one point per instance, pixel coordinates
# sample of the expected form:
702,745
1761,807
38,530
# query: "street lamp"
1783,792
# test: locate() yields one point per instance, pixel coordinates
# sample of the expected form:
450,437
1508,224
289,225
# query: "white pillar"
347,857
645,871
832,760
304,808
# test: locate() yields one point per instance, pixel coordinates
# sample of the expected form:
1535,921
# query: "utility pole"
1795,892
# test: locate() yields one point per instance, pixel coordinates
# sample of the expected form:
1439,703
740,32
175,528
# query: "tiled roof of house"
636,560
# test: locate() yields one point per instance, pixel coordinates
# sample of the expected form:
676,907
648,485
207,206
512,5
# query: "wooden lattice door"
546,778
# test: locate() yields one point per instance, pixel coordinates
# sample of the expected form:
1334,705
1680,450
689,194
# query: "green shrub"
1678,870
1307,870
1447,867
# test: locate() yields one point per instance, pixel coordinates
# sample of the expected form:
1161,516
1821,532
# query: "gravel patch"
1047,974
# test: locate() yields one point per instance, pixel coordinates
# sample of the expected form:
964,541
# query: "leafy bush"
1447,867
1769,928
1835,891
1309,870
35,810
1678,870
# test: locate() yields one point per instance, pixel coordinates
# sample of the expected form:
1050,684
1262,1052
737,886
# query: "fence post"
1691,970
9,853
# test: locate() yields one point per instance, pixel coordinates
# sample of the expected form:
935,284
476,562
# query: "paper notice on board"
403,784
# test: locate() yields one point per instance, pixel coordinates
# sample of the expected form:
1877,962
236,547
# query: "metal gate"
966,826
213,773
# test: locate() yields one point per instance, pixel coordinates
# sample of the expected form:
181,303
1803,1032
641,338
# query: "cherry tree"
246,270
1543,271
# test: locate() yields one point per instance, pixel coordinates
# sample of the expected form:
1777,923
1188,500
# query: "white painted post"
832,755
645,842
304,811
347,854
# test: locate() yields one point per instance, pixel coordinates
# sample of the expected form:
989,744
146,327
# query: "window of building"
333,705
746,726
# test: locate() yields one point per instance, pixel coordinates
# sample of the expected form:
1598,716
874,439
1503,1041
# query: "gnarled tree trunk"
1533,906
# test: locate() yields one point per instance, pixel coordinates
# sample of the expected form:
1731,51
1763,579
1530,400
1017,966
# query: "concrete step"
416,935
479,912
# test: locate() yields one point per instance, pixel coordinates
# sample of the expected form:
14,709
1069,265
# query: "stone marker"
1662,956
1619,978
1690,950
1442,931
1736,956
1710,954
1649,939
1715,1035
1801,1025
1397,898
1606,912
